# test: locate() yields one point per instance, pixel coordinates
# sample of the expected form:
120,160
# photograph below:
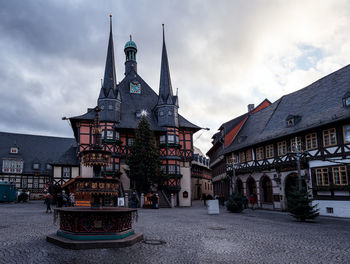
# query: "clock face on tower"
135,87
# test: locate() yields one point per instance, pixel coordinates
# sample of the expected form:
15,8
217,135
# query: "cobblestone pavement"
191,236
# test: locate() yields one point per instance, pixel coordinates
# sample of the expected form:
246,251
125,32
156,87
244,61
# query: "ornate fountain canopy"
95,157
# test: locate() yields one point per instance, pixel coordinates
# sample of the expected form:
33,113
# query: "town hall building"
122,104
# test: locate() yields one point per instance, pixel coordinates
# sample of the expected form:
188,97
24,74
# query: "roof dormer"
292,120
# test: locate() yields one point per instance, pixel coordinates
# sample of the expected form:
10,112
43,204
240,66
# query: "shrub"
234,203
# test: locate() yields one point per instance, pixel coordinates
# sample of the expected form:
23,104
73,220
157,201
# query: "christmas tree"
143,161
300,205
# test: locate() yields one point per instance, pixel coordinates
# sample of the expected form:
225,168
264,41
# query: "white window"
172,169
66,172
14,150
117,136
48,166
177,140
12,166
35,166
109,134
130,141
24,183
162,139
171,139
36,183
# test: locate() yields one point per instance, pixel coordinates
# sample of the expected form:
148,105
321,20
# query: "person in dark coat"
155,201
245,201
133,200
48,201
204,198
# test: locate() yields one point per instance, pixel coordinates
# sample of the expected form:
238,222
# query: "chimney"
250,107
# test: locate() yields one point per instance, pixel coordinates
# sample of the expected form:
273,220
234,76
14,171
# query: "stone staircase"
163,200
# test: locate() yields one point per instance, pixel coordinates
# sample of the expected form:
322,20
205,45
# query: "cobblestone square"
190,236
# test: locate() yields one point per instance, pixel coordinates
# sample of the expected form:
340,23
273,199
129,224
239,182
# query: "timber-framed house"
312,125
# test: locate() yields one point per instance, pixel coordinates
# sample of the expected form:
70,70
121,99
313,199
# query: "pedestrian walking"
245,201
204,198
154,201
72,199
48,201
252,200
64,199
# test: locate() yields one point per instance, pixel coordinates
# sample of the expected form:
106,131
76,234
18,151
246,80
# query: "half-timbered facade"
122,106
201,176
221,140
311,125
31,161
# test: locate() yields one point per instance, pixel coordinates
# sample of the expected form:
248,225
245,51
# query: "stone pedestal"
82,228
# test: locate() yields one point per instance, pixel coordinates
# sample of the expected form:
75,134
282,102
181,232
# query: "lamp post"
298,152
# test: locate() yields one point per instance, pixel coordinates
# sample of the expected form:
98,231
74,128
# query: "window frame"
324,174
269,151
259,153
341,169
327,132
344,132
249,155
292,144
282,144
312,138
242,156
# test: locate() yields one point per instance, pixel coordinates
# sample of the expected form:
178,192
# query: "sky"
223,55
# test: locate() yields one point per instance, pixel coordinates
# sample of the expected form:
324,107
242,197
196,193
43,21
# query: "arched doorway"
266,187
291,183
239,186
251,186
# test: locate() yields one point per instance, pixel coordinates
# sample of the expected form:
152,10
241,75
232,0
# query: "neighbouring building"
227,133
33,162
122,105
200,175
311,125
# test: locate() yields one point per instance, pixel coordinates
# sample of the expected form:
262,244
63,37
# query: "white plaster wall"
340,208
75,172
185,185
320,163
86,172
56,172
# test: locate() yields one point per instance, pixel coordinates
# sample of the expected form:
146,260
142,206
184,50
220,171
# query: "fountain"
95,226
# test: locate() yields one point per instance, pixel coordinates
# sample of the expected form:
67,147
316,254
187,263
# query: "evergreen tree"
300,205
234,203
143,161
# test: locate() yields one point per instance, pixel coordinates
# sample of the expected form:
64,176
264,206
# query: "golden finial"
110,15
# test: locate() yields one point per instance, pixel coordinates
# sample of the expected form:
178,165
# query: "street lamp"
298,152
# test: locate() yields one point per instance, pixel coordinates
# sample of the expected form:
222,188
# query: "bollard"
172,201
142,200
126,200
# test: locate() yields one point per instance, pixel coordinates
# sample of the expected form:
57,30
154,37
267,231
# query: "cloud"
223,55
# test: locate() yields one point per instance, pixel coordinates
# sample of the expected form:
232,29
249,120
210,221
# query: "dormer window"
292,120
14,150
346,100
36,166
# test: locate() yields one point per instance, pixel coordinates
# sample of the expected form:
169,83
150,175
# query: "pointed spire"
110,80
165,89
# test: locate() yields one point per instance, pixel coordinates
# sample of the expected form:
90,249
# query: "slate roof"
131,104
318,104
32,148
